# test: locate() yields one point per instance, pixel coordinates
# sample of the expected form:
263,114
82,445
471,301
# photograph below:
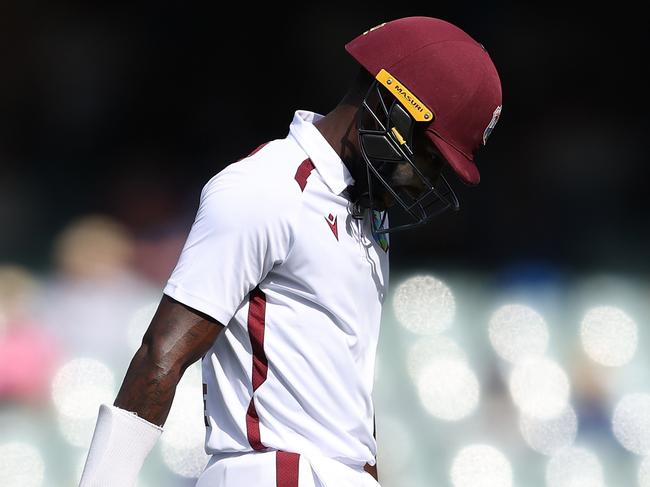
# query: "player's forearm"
149,386
176,338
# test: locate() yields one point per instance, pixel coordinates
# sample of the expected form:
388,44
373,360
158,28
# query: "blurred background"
513,343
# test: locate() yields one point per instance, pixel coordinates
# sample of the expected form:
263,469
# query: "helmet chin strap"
385,144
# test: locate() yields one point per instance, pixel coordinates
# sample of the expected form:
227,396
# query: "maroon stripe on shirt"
256,316
286,469
303,172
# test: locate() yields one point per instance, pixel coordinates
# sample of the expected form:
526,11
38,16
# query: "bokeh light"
183,438
424,305
609,336
77,431
481,466
448,389
549,436
21,465
539,388
78,389
80,386
518,332
631,423
427,349
574,467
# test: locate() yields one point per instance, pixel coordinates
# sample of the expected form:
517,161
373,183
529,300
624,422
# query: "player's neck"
338,127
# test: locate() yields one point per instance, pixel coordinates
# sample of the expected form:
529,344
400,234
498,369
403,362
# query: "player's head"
433,102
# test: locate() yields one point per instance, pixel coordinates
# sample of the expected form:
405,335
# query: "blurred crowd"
83,307
87,310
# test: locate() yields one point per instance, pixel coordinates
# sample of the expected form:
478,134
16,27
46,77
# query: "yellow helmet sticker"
411,102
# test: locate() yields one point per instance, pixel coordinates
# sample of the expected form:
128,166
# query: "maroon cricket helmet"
449,72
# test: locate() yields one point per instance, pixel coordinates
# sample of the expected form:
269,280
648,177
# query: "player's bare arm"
177,337
372,470
126,432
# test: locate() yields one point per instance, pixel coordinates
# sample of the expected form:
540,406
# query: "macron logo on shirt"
331,221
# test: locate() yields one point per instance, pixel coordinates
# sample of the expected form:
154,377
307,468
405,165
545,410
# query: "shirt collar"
327,162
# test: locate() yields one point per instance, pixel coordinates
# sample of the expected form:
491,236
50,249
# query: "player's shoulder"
265,178
276,161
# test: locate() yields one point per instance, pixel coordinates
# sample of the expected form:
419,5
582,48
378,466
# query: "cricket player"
280,285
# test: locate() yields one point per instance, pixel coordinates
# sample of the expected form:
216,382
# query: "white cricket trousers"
280,469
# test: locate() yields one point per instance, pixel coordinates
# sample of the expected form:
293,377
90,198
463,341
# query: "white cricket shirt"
275,255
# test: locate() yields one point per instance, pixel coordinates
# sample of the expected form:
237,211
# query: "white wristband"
120,444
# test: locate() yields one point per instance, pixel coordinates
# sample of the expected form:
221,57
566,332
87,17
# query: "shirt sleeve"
242,229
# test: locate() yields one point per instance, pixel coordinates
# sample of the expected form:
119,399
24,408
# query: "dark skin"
338,127
179,335
176,338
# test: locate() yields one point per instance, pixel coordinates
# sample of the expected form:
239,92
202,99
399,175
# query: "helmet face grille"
386,132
